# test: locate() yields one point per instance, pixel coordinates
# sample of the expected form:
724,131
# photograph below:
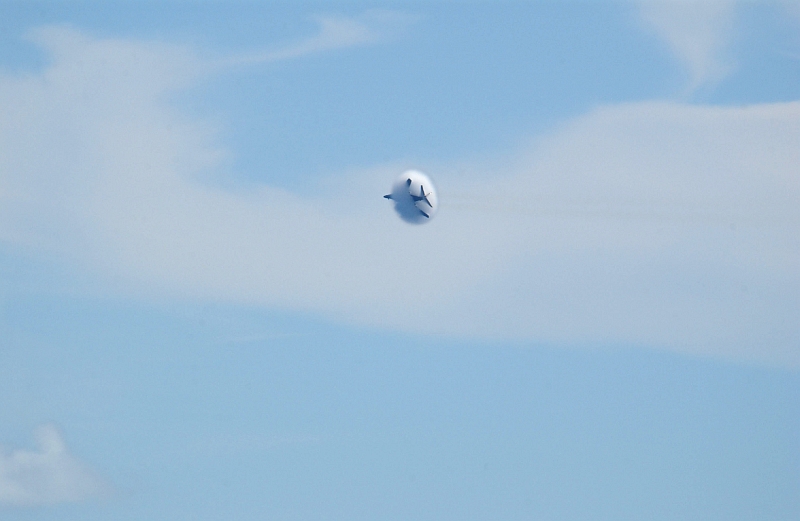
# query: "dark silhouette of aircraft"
416,198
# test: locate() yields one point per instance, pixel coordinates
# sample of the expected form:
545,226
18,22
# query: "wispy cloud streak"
698,32
335,32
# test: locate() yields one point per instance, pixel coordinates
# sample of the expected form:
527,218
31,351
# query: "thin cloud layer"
661,224
698,32
653,224
47,475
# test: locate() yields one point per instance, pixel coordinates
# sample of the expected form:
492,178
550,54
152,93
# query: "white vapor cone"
47,475
414,197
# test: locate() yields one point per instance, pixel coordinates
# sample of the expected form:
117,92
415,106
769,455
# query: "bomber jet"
411,199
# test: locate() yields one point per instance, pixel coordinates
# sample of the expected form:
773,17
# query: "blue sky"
207,310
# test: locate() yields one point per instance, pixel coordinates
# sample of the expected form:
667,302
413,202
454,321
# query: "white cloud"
45,476
698,32
662,224
655,224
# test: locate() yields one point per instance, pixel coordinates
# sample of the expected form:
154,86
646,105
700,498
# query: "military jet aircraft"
410,206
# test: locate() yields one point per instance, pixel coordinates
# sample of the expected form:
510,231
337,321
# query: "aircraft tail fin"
424,196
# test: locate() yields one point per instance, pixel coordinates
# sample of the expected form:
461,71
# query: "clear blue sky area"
184,405
211,412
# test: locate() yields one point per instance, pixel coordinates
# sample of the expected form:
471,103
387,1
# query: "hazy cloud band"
657,224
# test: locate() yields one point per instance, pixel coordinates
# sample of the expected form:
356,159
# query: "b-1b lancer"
410,206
